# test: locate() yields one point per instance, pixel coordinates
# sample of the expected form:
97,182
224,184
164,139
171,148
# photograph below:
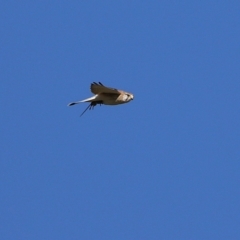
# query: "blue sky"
164,166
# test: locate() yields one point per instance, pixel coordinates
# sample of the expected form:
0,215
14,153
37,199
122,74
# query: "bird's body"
105,95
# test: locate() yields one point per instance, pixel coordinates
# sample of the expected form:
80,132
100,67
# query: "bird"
104,95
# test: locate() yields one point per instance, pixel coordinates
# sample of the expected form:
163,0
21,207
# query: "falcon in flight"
105,95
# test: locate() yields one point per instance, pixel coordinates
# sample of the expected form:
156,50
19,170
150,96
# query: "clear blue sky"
164,166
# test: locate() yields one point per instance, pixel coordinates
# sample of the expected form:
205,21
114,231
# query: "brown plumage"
105,95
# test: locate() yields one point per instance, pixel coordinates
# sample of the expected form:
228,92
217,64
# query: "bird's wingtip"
95,83
71,104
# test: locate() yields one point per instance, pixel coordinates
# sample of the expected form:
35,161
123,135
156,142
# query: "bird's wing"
97,88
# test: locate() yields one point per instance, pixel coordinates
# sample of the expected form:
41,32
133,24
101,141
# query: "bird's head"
128,97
